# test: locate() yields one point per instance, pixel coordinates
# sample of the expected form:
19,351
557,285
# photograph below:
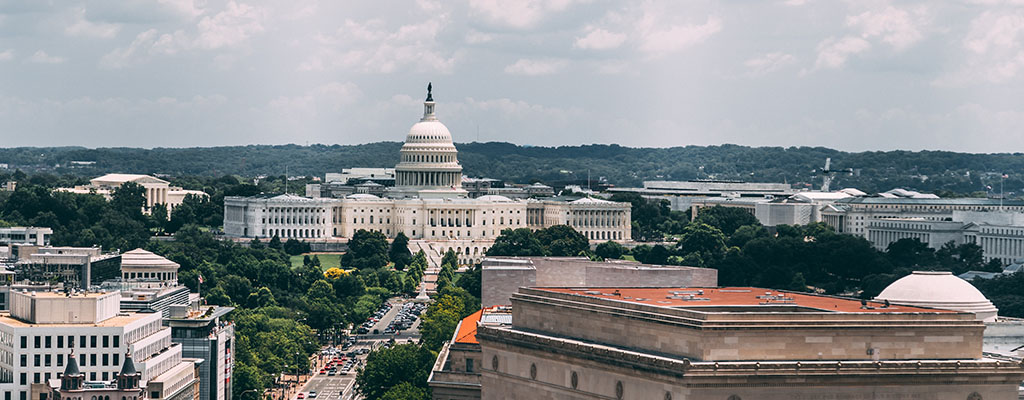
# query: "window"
92,376
71,341
24,360
22,395
49,341
47,359
106,375
117,358
81,341
106,361
81,360
60,360
60,342
35,360
35,377
154,395
117,342
106,341
37,341
92,360
24,342
23,379
92,341
469,365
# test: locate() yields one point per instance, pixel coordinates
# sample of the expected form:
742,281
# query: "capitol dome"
939,289
429,163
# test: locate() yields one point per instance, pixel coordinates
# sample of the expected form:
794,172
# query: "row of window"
41,342
44,377
45,360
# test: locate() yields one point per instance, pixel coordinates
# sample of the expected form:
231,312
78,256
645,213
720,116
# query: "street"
339,387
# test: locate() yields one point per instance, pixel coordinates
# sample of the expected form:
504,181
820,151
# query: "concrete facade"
503,276
705,344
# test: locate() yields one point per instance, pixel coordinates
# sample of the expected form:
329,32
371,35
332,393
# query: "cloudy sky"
856,75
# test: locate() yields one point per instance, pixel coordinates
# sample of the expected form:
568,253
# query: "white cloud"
600,39
833,53
236,23
658,40
329,98
795,3
40,57
7,55
83,27
529,67
770,62
896,27
186,8
477,37
994,50
519,14
145,45
374,48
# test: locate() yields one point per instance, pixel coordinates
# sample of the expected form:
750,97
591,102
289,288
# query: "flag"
200,279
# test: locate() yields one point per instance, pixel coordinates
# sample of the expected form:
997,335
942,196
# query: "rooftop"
931,201
749,298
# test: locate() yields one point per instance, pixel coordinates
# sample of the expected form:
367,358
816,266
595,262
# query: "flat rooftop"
115,321
740,299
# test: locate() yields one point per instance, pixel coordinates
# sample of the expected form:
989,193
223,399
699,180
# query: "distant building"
999,234
427,203
476,187
157,191
39,236
352,181
853,215
77,267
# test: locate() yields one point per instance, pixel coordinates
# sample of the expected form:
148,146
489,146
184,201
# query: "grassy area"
327,260
625,257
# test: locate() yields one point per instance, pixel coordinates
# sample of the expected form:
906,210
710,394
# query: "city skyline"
852,76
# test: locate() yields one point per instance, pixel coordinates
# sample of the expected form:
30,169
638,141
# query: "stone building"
502,276
157,191
427,203
38,334
734,343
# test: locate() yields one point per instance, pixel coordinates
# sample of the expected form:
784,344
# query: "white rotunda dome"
429,132
939,289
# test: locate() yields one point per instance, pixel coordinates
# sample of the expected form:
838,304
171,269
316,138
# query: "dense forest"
943,172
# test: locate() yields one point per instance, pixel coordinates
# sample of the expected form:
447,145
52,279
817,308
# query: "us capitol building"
427,203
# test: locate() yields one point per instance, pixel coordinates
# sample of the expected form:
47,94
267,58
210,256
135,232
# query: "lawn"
327,260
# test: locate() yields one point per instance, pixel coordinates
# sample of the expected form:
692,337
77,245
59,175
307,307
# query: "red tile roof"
467,329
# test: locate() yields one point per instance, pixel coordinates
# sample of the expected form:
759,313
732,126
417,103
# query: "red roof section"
738,296
467,328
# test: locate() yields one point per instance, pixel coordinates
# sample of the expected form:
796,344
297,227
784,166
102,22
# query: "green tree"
562,240
726,219
399,251
609,250
747,233
516,242
406,391
275,243
471,280
366,249
389,368
440,319
705,240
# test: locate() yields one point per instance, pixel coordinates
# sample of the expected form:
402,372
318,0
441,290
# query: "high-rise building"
203,333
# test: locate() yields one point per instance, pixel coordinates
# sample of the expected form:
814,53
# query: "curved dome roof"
493,198
939,289
362,196
429,131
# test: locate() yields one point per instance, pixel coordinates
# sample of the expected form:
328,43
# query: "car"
312,394
323,371
332,373
300,396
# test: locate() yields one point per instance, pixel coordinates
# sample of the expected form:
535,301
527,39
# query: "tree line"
944,172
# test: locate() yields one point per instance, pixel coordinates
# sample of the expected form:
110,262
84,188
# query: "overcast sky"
857,75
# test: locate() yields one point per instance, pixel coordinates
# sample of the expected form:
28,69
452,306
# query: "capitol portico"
427,203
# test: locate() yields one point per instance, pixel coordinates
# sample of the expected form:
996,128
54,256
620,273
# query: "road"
339,387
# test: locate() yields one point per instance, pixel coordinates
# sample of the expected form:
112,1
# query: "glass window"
37,341
106,361
35,360
106,341
24,342
49,341
117,341
60,360
47,359
24,381
92,360
92,341
81,341
60,342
